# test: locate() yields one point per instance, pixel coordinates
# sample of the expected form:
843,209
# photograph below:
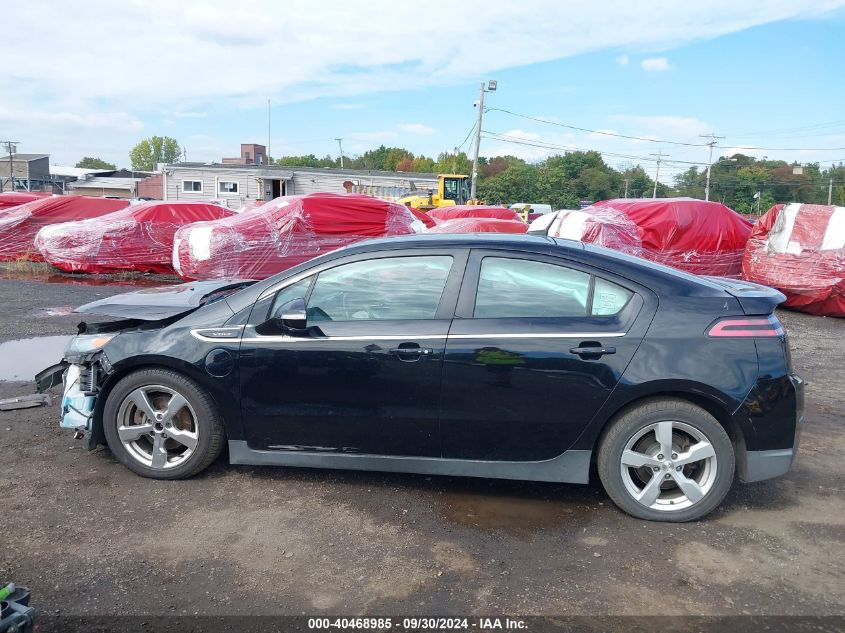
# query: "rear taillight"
745,327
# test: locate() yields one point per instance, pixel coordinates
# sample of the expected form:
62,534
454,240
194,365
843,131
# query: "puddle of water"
46,313
507,512
20,360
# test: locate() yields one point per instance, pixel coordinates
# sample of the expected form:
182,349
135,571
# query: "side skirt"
569,467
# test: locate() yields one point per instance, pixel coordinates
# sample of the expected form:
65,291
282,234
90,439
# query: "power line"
664,141
602,132
471,130
814,126
571,148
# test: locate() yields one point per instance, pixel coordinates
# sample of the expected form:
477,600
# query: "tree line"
564,181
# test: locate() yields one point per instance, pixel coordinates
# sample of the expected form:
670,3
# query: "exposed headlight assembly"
86,343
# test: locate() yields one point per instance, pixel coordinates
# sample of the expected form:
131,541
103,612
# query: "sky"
94,78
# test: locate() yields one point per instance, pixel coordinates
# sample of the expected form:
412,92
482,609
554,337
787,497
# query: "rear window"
515,288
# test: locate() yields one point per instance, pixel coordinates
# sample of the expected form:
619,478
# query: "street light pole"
491,87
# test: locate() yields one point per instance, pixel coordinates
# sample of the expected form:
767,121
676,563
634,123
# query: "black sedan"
514,357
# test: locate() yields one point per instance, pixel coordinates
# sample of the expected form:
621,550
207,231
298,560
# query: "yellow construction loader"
452,189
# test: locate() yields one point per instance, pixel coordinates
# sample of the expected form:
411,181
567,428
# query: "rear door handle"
592,351
412,351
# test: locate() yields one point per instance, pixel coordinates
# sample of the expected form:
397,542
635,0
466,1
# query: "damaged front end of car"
85,368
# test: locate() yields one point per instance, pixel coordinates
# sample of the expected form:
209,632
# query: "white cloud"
655,64
622,60
417,129
382,135
215,54
183,114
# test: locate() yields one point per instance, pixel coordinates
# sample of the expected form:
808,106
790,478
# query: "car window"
608,298
378,289
523,288
297,290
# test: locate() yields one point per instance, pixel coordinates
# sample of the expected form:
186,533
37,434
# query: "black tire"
630,425
210,434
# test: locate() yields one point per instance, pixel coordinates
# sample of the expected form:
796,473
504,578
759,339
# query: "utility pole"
491,87
10,145
268,131
340,145
712,142
455,162
830,187
660,155
627,180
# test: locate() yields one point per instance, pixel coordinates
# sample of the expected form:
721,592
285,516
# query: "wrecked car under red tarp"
800,250
9,199
705,238
479,225
602,226
285,232
138,238
19,226
472,211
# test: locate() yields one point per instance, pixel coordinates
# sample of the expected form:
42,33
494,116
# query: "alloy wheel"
668,466
157,426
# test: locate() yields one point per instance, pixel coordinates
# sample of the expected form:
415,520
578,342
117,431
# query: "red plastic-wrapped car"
285,232
479,225
602,226
9,199
138,238
800,250
19,226
472,211
706,238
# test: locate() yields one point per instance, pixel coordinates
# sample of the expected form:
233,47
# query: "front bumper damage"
81,377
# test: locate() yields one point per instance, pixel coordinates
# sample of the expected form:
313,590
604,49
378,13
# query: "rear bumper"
767,464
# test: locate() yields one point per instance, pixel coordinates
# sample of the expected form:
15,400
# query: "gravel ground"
89,537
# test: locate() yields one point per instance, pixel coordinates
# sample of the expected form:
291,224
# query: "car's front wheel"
162,425
666,460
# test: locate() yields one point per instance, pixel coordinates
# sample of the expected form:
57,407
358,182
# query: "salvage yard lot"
89,537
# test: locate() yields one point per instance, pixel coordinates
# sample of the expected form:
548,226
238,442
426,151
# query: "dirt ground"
89,537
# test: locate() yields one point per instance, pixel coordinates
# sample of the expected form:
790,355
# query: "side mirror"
292,315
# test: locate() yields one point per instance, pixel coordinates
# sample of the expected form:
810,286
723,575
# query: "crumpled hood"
163,302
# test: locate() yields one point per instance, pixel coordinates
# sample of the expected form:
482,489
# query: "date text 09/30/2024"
417,624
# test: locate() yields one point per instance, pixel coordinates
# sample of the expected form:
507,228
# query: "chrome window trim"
429,337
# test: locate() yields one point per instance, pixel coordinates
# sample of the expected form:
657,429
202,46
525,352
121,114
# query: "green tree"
151,151
89,162
307,160
515,184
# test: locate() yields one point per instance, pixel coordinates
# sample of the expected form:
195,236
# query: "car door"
537,345
364,377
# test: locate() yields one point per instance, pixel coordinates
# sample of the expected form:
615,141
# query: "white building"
237,185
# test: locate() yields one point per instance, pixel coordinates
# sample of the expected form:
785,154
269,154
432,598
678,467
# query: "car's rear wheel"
666,460
162,425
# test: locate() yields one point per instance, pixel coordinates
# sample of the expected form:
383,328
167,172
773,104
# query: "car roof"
464,240
661,279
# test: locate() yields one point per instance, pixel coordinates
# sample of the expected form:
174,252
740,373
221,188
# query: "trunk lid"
163,302
754,299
